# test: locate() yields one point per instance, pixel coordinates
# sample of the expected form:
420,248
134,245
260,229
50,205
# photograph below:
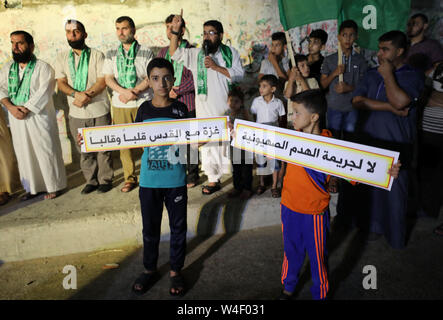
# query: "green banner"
375,17
295,13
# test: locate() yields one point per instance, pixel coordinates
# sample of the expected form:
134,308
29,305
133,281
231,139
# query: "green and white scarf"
202,71
19,91
127,74
178,66
80,76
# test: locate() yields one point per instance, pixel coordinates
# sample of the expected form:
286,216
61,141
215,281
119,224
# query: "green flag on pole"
375,17
295,13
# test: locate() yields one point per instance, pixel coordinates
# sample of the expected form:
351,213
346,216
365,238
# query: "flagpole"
340,61
290,50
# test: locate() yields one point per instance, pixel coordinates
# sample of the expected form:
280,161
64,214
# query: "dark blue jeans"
151,203
342,121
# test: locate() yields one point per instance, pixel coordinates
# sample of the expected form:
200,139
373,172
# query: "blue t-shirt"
385,125
156,169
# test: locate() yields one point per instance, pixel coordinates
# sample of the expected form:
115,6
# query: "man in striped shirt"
184,91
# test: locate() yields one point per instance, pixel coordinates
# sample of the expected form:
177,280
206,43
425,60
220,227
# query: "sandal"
190,185
4,198
52,195
28,196
285,296
144,282
439,230
211,189
276,193
178,284
261,190
129,186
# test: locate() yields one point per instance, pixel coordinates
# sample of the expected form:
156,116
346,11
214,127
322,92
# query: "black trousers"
242,176
430,172
151,203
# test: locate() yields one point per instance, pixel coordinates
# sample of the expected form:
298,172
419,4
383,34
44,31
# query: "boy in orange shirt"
304,204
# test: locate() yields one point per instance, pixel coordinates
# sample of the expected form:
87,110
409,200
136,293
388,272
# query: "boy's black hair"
214,23
171,16
28,38
422,16
320,34
313,100
280,36
397,38
126,18
80,26
348,24
271,79
160,63
298,58
236,92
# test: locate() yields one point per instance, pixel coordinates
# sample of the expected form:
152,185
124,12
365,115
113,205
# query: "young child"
162,182
317,42
277,61
242,161
299,80
341,116
306,219
269,110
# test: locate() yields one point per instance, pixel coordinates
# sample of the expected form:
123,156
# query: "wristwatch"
73,94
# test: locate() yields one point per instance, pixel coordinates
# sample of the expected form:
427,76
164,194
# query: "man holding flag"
79,75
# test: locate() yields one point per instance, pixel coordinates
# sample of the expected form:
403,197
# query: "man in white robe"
223,67
33,121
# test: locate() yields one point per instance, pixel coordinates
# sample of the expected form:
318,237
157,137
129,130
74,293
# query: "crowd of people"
397,106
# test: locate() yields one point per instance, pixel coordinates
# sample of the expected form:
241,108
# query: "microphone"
206,48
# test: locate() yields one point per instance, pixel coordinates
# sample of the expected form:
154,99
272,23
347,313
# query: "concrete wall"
245,22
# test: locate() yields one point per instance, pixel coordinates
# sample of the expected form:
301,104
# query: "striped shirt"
433,119
186,90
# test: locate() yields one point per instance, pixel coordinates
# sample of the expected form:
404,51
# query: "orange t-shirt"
304,189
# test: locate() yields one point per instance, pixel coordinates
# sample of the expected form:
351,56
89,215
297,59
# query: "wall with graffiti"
248,26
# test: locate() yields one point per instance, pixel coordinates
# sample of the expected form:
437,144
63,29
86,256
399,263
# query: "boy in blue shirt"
162,182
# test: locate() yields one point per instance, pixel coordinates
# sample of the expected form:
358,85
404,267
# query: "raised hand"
177,22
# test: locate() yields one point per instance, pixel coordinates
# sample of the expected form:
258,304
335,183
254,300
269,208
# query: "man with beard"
183,91
386,97
424,53
79,75
26,88
214,67
125,73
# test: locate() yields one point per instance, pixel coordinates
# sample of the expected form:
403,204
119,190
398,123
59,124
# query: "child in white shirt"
268,110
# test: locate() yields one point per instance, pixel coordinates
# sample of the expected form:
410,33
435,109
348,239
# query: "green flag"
375,17
295,13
